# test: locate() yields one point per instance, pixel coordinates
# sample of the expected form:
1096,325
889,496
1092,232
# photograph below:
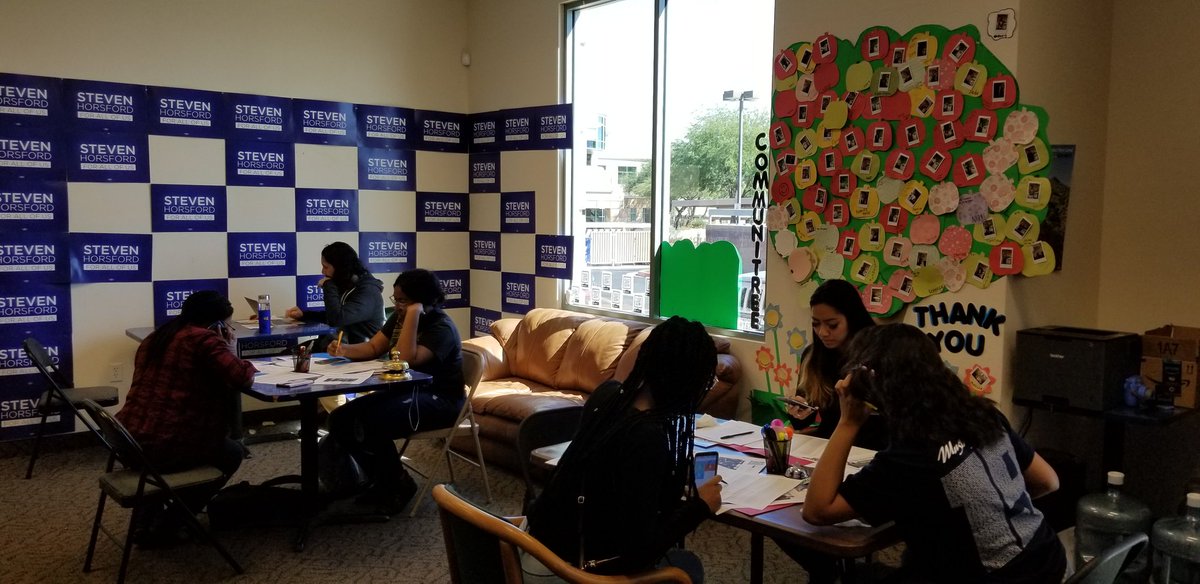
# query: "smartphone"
795,402
705,466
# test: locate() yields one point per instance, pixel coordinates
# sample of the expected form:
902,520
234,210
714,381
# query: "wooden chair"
1106,567
544,428
483,548
59,396
472,373
139,485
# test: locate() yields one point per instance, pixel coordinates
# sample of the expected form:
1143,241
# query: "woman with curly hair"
955,478
621,496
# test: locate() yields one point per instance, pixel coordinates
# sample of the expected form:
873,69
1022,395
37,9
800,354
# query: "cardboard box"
1162,347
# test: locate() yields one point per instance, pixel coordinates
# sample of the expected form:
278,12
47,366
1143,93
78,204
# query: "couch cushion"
535,349
592,353
515,399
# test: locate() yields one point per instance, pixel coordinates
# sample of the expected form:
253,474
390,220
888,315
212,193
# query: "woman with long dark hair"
838,315
186,375
353,297
621,495
421,332
955,478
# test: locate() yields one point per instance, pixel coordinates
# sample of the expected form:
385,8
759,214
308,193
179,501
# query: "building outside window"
660,156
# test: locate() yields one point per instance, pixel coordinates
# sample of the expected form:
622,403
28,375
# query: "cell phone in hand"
795,402
705,466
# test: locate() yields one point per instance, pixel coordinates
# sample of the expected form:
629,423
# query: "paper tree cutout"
906,164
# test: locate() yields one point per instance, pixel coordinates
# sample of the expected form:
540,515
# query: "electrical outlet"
116,372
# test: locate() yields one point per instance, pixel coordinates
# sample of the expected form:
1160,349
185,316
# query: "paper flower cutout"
764,358
772,317
783,375
979,379
797,339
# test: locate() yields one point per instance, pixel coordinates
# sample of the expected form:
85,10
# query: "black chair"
1104,568
58,395
138,485
539,429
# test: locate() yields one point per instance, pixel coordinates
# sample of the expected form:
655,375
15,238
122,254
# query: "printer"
1073,368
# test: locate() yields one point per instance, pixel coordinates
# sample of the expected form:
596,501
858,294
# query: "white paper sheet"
733,432
752,490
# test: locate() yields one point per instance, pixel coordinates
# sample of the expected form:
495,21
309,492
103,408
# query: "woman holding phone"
353,297
955,478
838,315
186,375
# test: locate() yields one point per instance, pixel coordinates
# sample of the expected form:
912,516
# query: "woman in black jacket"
622,494
353,297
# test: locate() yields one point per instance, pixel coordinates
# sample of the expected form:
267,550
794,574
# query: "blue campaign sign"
111,257
36,153
30,100
485,250
517,213
552,126
187,112
108,157
309,295
23,385
484,131
516,129
554,254
199,208
384,169
27,205
457,286
34,305
261,254
326,210
325,122
383,126
481,321
259,164
388,251
442,212
102,106
485,172
517,292
440,131
258,117
34,256
170,294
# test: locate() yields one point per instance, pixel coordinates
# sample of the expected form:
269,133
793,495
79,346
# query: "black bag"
247,505
340,475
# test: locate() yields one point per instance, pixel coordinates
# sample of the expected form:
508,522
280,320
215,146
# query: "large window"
669,92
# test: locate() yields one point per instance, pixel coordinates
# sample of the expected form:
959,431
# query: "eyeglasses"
396,300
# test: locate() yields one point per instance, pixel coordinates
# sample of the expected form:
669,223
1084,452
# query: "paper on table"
738,432
753,490
812,447
344,378
740,464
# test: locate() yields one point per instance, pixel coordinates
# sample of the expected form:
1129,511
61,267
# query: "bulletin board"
906,164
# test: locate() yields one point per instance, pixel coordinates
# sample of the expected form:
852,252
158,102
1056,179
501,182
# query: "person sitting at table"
622,494
186,375
353,297
955,478
424,336
837,315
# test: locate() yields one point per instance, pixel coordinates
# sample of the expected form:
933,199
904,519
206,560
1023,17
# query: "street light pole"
741,99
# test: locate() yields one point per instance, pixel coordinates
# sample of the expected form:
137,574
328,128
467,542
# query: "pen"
339,339
728,436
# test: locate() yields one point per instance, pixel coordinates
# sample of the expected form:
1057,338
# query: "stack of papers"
324,370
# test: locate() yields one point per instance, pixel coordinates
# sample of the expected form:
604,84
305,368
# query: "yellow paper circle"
913,197
992,234
928,281
858,76
1033,192
871,236
864,202
1039,259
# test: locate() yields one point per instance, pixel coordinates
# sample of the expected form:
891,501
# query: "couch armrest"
722,399
492,355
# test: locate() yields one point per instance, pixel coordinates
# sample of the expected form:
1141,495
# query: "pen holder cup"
778,454
301,363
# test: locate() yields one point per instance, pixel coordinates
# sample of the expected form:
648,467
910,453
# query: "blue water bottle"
264,314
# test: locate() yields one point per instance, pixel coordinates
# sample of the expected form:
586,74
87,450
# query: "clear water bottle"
1104,519
264,313
1176,542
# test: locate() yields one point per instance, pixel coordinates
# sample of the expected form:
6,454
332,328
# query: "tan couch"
554,358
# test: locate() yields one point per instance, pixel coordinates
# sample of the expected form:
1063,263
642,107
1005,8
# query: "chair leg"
487,486
428,483
91,551
37,444
128,548
203,533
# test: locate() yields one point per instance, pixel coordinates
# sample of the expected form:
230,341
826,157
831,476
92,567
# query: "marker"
728,436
